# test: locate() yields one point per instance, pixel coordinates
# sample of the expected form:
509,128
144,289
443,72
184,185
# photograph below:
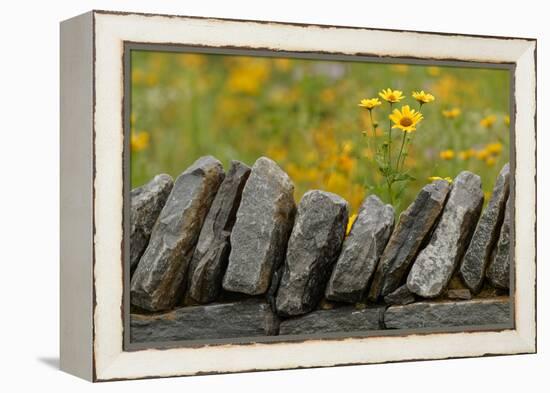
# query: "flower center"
391,97
405,121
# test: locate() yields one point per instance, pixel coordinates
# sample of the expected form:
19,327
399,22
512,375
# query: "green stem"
401,152
389,138
390,193
373,134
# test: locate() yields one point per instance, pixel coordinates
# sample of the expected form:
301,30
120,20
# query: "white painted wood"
76,196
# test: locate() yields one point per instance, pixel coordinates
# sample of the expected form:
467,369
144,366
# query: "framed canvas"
247,195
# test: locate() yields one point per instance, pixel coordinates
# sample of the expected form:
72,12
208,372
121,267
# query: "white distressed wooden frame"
92,195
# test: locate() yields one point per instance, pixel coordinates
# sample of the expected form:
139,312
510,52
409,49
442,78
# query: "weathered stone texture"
338,320
212,250
313,248
146,202
260,234
448,314
414,225
400,296
477,257
461,294
361,251
436,263
158,281
215,321
498,271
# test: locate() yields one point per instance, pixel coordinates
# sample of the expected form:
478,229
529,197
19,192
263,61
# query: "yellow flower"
490,161
494,148
507,120
370,103
447,154
434,178
466,154
392,96
451,113
488,121
139,141
406,119
422,97
482,154
350,223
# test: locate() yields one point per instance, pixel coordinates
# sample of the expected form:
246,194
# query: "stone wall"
218,254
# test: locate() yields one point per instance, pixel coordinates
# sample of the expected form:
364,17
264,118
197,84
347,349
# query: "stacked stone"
219,255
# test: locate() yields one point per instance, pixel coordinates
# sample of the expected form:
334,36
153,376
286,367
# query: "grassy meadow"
304,114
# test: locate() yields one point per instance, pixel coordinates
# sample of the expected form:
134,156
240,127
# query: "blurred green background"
304,114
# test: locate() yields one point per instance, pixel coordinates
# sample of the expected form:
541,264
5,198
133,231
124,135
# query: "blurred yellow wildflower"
351,220
248,76
347,146
494,148
405,119
337,183
138,76
192,60
466,154
446,88
282,64
507,120
482,154
434,71
451,113
422,97
277,153
370,103
151,79
346,163
328,96
488,121
139,141
400,68
434,178
447,154
391,96
490,161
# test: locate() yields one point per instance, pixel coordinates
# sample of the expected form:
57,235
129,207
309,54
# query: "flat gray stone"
435,265
478,254
498,271
448,314
159,280
461,294
212,251
400,296
250,318
146,203
361,251
343,319
313,248
414,226
271,294
260,234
